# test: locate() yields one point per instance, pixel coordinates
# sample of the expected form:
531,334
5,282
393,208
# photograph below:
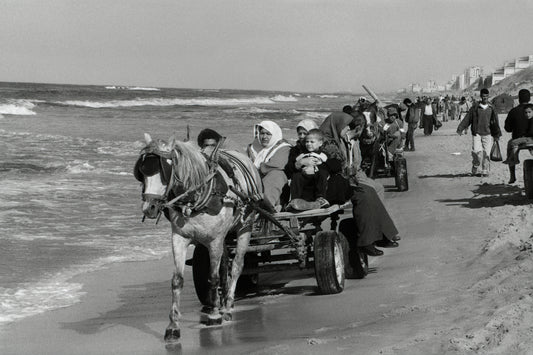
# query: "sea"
69,203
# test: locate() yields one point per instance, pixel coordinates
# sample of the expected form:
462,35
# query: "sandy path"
459,283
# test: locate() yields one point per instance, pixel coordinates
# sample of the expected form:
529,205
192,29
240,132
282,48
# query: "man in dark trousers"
412,117
517,124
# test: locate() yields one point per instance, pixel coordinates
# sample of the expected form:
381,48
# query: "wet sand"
458,283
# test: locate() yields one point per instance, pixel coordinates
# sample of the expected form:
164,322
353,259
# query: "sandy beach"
459,283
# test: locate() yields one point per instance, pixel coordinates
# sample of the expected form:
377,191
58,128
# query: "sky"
286,45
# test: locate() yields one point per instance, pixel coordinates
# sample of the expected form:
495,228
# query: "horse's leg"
212,308
179,249
243,239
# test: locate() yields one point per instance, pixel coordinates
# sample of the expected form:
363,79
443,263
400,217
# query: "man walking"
412,117
484,126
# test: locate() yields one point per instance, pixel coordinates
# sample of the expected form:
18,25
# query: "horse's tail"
246,173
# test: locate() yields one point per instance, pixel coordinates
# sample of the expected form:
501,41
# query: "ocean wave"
282,98
17,107
78,167
59,291
328,96
317,115
136,88
25,167
166,102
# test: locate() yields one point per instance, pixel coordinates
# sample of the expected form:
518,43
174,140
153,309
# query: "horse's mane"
190,165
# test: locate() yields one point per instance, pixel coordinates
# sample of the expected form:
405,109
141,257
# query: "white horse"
198,199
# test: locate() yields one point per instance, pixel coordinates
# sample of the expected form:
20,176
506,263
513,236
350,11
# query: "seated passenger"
310,180
270,152
514,145
208,138
373,224
394,129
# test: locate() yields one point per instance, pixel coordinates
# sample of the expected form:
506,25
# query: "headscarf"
334,124
262,154
307,124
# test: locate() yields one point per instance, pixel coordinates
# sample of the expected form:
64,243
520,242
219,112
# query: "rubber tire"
200,272
355,261
329,272
528,178
400,174
248,283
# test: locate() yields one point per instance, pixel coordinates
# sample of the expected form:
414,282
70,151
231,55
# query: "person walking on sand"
429,112
483,120
518,124
412,116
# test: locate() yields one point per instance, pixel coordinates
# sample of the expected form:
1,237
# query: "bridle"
175,195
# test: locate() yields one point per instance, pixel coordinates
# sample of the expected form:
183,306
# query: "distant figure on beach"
483,120
462,108
429,115
412,117
270,154
454,105
521,126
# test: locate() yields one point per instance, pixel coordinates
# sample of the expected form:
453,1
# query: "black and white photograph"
266,177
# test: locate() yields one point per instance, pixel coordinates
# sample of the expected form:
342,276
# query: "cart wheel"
247,283
355,261
200,272
528,178
400,174
329,262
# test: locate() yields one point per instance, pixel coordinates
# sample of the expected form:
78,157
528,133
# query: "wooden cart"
317,238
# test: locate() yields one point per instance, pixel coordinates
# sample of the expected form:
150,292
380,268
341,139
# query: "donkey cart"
288,241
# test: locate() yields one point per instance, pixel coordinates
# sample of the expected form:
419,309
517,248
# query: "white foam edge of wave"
135,88
168,102
19,107
59,291
283,98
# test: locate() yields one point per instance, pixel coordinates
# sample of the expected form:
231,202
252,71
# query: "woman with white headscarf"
270,154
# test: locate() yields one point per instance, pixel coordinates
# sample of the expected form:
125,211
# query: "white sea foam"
282,98
168,102
78,167
328,96
137,88
60,291
317,115
17,107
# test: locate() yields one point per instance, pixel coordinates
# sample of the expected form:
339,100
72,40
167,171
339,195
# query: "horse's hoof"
172,335
227,316
210,320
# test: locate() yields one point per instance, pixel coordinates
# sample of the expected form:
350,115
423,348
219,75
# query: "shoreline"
99,314
447,288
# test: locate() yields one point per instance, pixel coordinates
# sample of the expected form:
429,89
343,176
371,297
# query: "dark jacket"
412,116
517,122
472,119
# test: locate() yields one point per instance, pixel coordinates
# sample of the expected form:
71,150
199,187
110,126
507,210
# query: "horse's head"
170,171
154,169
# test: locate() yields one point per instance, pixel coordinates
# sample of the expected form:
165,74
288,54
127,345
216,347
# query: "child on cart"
310,180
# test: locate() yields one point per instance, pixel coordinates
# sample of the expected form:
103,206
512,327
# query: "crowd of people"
324,165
